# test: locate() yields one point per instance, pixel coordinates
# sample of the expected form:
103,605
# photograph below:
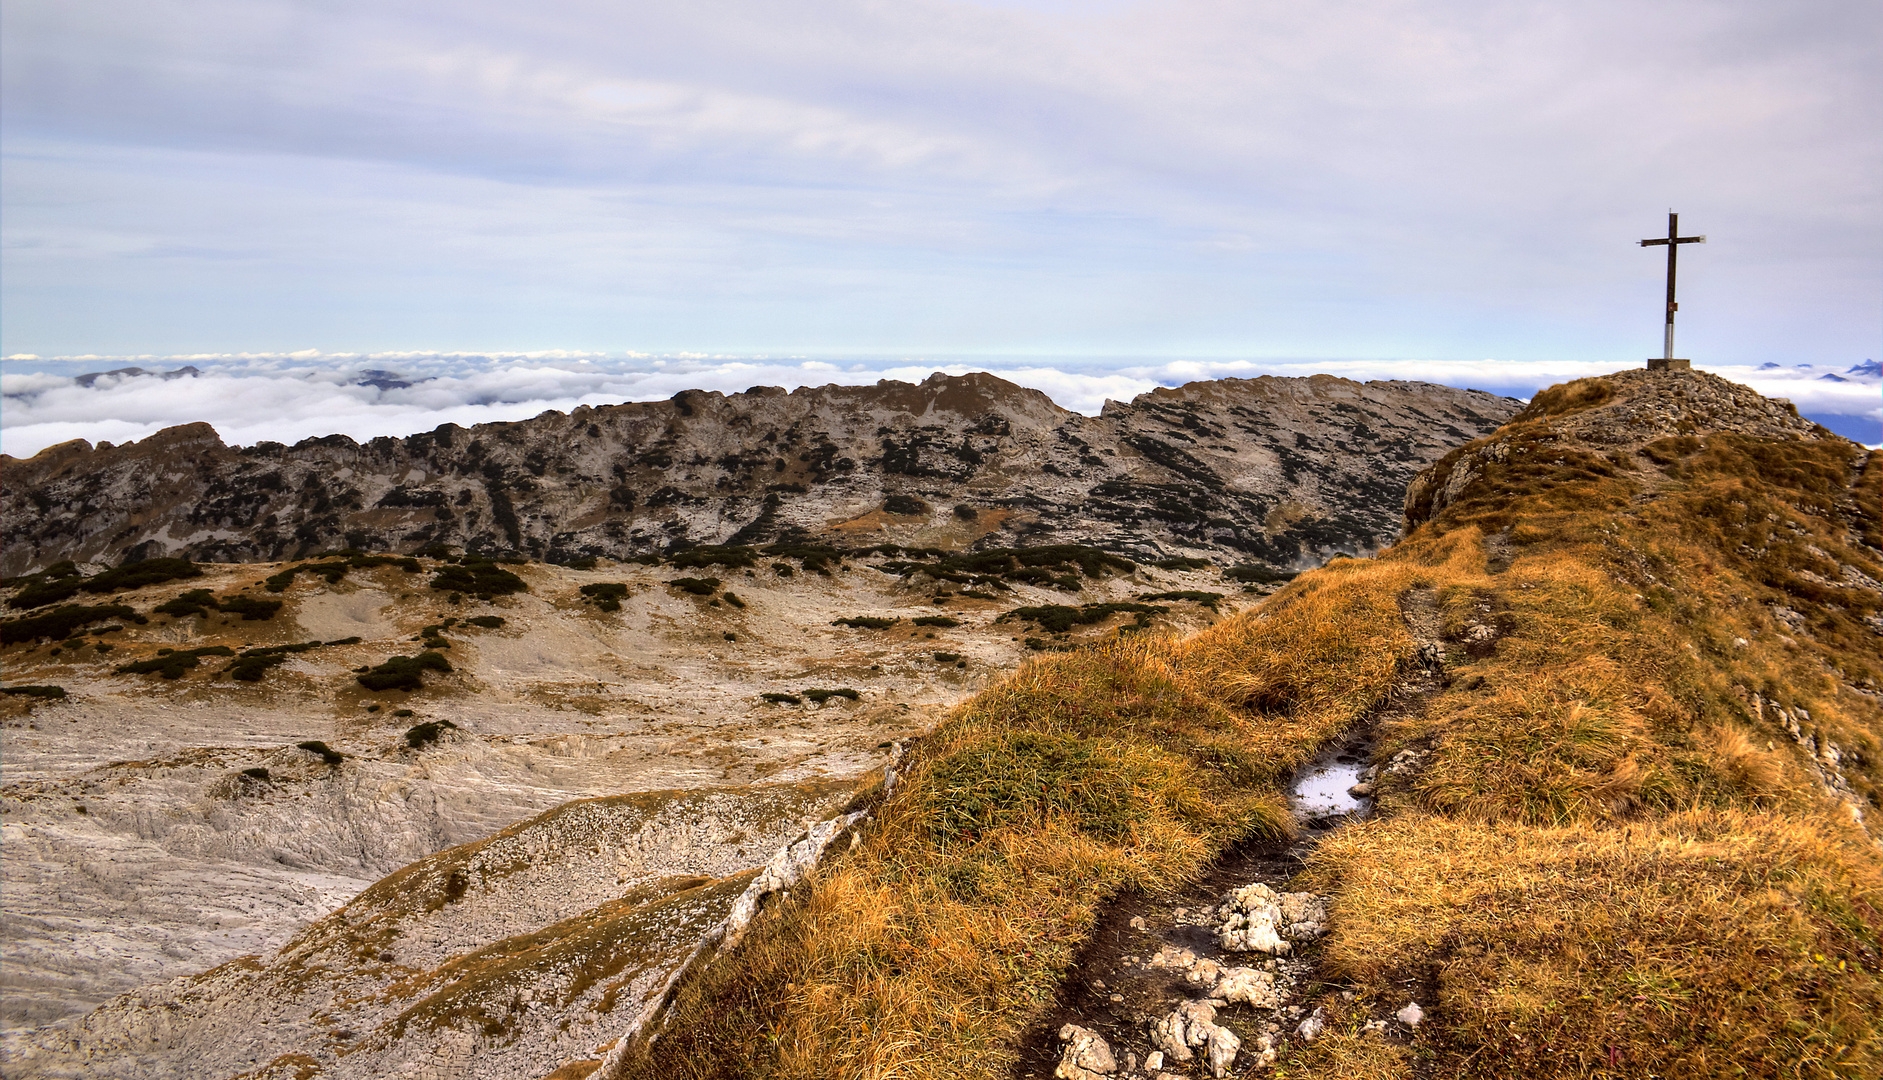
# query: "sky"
1105,195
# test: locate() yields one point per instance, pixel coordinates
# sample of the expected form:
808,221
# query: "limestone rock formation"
1280,471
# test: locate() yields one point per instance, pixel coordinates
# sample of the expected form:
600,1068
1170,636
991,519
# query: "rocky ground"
1278,471
157,828
1215,978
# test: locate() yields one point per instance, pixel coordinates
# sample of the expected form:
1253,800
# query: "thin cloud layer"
287,398
1170,177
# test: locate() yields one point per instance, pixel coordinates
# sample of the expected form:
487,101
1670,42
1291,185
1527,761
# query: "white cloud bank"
288,397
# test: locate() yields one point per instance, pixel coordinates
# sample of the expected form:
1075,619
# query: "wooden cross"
1673,241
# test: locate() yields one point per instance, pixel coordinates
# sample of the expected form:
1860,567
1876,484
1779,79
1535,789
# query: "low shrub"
696,586
605,595
60,581
487,622
403,713
139,574
735,557
425,734
250,668
783,699
966,512
172,663
1060,618
1257,574
256,773
947,657
403,672
1207,599
865,622
936,620
60,622
480,577
51,692
193,602
327,753
905,506
733,599
1182,564
821,696
250,608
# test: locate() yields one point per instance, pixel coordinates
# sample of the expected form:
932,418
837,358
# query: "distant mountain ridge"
1276,470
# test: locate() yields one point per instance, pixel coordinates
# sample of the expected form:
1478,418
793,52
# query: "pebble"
1411,1015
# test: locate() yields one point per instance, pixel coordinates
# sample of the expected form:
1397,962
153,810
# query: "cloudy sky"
1105,192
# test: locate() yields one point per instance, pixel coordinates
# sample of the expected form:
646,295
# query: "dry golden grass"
1615,861
1704,943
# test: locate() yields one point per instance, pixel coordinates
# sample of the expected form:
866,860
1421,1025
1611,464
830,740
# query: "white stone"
1311,1028
1087,1055
1249,986
1411,1015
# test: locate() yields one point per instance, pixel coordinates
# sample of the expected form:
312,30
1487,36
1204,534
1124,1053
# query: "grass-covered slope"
1636,836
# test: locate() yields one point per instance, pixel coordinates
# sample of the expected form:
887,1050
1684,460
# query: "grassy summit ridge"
1636,836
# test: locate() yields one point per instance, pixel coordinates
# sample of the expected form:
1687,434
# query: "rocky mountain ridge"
1275,470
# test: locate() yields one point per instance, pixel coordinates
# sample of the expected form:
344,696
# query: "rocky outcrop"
500,958
1619,412
1273,470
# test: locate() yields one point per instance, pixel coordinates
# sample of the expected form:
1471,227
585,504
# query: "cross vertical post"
1673,241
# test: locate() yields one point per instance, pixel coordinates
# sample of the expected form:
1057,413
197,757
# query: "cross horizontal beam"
1675,240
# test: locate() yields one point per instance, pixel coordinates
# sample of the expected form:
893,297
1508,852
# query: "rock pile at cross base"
1281,471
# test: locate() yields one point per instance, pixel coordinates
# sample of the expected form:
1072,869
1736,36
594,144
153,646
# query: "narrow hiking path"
1217,977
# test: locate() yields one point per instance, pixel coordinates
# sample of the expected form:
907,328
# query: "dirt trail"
1154,960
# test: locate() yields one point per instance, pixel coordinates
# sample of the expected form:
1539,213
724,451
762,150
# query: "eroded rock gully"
1218,978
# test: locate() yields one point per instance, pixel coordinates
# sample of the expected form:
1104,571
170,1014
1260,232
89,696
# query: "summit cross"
1673,240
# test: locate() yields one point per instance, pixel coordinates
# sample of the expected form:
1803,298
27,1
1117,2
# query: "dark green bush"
696,586
783,699
403,672
139,574
487,622
193,602
1257,573
966,512
251,668
734,557
336,570
1060,619
865,622
60,581
250,608
60,622
733,599
905,505
253,663
1207,599
327,753
256,773
821,696
947,657
606,595
1182,564
403,713
480,577
782,569
426,733
35,691
172,663
936,620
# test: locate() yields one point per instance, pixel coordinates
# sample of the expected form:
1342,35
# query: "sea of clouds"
251,398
